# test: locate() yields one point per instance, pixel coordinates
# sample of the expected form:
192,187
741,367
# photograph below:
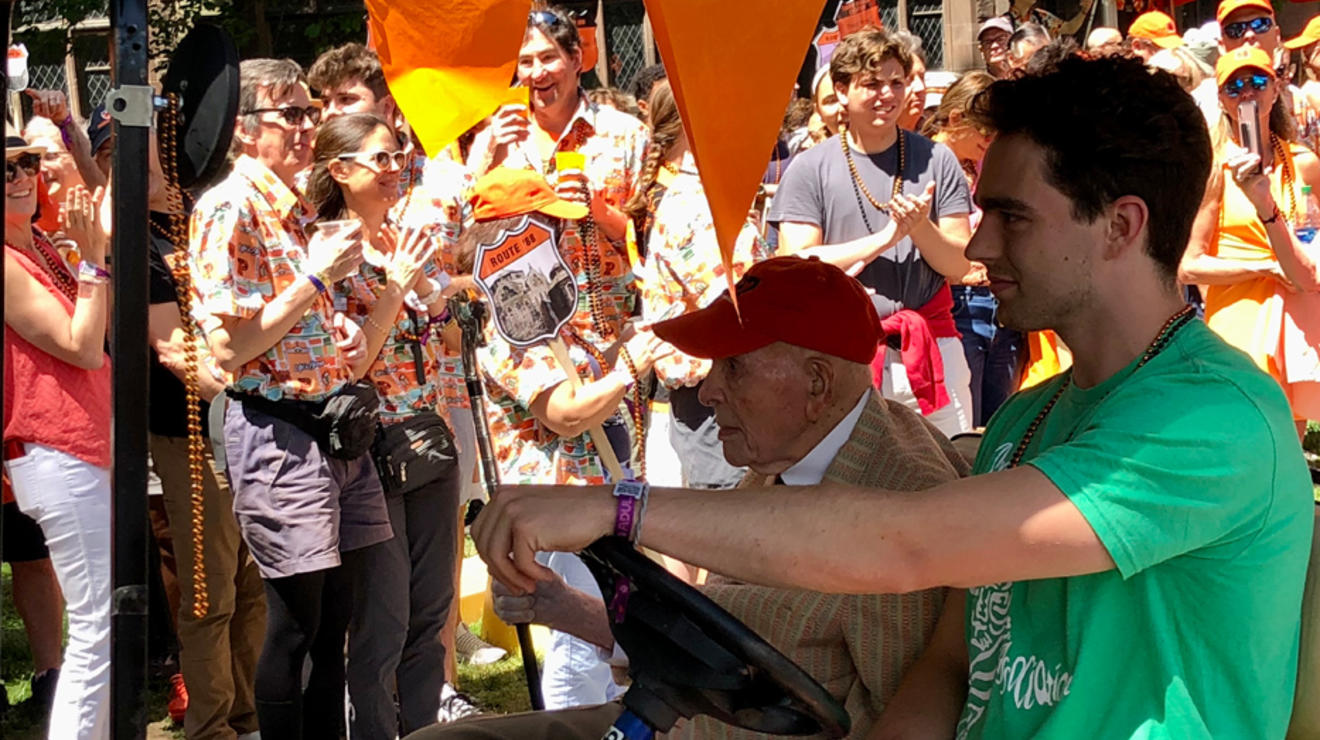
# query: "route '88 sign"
527,284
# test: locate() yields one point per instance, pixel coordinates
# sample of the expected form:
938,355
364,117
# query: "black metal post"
131,106
470,315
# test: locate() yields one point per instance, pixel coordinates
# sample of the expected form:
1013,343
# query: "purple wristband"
316,281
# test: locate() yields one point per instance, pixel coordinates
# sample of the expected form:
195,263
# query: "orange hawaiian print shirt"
247,246
613,145
526,451
683,270
403,391
444,189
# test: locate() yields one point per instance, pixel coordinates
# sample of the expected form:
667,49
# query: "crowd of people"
916,257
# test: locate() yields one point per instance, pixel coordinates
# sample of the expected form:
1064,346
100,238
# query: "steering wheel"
688,656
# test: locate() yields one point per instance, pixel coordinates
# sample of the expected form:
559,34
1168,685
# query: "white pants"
954,417
70,499
575,673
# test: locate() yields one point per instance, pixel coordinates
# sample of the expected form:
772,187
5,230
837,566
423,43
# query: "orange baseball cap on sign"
1308,36
1242,57
1157,27
505,192
1227,7
803,302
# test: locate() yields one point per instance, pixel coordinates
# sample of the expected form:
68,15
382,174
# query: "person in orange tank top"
1244,251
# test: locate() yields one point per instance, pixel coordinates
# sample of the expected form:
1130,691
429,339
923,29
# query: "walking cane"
470,316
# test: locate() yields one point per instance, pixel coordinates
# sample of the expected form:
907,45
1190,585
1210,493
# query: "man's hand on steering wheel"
523,520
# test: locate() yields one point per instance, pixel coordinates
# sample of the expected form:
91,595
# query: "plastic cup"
519,96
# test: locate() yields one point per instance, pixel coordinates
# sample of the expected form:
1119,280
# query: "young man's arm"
1008,526
930,699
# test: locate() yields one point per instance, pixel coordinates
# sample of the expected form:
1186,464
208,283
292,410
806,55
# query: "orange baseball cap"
505,192
1308,36
1157,27
1241,58
1227,7
803,302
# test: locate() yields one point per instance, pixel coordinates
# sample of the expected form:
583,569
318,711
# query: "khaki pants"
579,723
218,653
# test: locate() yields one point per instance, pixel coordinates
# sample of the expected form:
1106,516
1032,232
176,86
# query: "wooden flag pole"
598,438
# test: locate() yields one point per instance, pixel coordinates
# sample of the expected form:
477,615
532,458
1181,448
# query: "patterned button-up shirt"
248,246
683,270
444,190
613,145
402,392
526,450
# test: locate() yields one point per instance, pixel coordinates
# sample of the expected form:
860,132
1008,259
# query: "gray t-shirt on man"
818,189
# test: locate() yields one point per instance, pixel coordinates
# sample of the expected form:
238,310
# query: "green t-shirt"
1190,472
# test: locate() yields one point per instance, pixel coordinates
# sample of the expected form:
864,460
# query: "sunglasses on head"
379,160
1257,25
28,162
543,18
292,114
1258,82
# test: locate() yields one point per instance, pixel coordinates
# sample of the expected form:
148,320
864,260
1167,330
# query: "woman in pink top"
57,424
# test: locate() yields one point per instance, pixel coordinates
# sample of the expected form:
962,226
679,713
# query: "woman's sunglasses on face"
379,160
30,163
1258,26
1234,87
292,114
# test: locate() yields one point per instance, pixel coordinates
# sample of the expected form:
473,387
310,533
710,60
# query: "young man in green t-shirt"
1135,545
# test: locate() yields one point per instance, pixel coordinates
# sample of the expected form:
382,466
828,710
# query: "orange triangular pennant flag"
448,62
732,64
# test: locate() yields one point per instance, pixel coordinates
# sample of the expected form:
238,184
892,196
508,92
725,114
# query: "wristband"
624,377
316,281
65,134
631,496
1273,217
92,274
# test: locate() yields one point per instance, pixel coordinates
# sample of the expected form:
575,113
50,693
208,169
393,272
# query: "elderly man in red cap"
791,387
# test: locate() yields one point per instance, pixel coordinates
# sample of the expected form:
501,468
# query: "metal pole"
470,315
131,106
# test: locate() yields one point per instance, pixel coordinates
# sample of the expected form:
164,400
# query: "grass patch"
498,688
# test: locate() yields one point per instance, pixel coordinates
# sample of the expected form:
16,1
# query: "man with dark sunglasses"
263,300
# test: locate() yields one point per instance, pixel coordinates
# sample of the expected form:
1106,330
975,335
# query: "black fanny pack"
343,425
414,452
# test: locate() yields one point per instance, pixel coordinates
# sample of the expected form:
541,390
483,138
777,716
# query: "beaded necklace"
177,235
53,264
859,187
1177,321
591,260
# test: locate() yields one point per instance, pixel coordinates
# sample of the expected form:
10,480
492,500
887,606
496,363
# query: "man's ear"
1129,226
820,376
243,137
389,110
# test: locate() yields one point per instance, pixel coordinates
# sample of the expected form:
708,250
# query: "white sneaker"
454,705
474,650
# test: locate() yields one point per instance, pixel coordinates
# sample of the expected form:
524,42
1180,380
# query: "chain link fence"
623,42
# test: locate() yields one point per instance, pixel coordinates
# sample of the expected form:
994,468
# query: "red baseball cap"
803,302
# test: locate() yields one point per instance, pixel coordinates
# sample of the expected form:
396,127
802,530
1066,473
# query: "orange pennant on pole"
732,64
449,63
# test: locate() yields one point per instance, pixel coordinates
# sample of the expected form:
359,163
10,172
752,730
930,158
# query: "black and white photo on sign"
530,288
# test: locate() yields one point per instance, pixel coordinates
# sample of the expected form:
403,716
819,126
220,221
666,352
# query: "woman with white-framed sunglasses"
399,297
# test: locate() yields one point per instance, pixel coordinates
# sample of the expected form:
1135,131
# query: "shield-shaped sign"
527,284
